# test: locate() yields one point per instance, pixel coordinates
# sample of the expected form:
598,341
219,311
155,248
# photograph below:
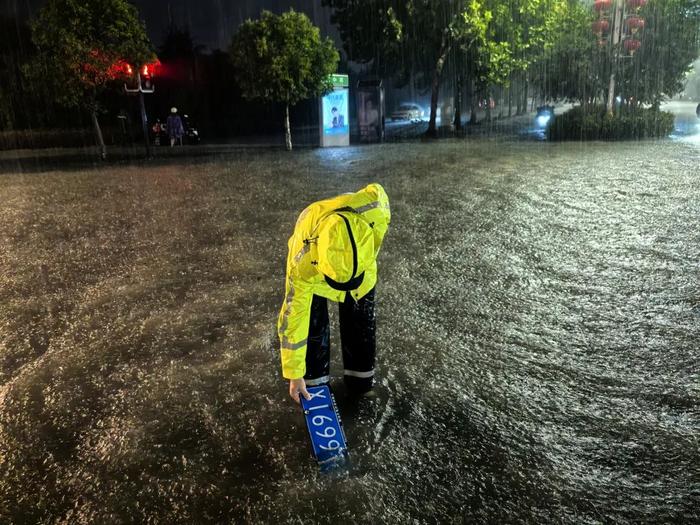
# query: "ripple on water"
539,312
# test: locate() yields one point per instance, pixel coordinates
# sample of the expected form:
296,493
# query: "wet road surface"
539,319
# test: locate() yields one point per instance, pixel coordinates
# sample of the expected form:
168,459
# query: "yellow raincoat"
321,247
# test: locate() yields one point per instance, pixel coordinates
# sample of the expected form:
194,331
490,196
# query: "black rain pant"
358,327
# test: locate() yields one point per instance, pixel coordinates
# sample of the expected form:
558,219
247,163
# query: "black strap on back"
355,281
354,246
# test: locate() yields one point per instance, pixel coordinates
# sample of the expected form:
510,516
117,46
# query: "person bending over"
333,256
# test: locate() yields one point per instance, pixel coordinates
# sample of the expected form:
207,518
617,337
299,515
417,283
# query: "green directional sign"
339,80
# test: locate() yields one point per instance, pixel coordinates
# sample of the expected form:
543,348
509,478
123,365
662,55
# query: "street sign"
339,80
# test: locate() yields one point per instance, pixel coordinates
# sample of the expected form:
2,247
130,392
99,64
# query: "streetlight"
144,84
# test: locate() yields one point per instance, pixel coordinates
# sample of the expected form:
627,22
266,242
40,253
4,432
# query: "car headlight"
543,120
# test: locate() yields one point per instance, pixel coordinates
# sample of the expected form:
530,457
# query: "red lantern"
634,23
636,4
600,26
632,45
602,5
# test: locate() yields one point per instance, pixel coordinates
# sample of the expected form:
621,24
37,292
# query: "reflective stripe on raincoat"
368,208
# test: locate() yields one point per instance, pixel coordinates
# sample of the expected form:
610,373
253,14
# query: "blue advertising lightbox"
335,117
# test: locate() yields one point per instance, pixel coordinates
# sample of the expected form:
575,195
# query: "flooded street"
538,328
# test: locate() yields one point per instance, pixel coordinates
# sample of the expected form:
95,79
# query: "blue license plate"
325,428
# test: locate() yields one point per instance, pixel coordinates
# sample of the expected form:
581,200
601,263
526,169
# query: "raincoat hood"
345,249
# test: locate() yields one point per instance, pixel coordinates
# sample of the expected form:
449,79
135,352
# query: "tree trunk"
458,104
510,98
521,85
287,129
98,134
499,102
473,104
611,95
435,85
489,117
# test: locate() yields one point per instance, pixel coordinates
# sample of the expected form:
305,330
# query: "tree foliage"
670,45
372,32
580,70
570,65
80,41
82,46
411,39
282,58
15,49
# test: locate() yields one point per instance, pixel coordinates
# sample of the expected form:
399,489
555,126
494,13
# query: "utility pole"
616,37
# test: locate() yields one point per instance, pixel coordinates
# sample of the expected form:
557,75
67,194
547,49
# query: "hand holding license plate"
325,429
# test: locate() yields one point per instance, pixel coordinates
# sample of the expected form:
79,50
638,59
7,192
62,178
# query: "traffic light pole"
142,106
144,120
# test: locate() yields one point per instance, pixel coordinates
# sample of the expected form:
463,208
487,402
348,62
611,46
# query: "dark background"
211,22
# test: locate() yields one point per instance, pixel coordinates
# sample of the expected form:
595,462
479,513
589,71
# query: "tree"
466,28
578,69
670,45
571,66
16,47
386,32
282,58
81,46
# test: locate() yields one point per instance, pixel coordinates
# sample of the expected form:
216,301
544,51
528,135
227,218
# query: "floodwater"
538,317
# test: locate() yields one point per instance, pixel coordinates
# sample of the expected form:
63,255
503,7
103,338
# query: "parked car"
407,112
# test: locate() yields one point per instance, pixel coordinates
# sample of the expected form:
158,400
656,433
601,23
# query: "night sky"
211,22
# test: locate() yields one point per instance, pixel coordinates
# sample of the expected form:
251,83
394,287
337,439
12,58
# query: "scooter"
191,131
158,130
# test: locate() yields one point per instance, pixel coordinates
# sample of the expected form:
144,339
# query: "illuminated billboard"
335,112
335,115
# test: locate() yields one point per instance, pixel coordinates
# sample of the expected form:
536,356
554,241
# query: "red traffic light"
150,70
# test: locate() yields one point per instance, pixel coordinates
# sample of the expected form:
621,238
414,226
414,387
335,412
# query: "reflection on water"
539,312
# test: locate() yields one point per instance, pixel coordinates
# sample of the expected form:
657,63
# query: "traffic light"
147,78
131,79
141,80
